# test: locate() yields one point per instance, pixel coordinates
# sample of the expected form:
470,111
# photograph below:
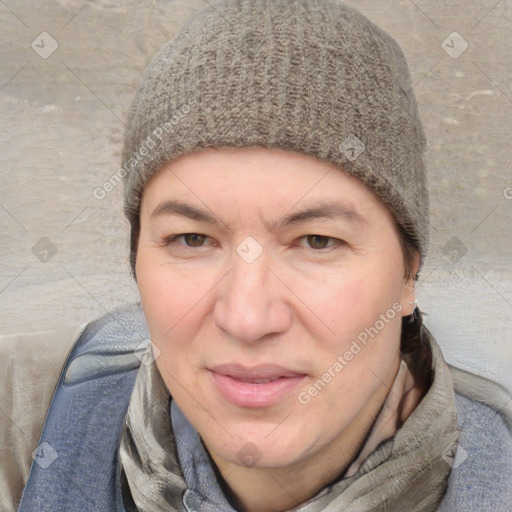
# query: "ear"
409,291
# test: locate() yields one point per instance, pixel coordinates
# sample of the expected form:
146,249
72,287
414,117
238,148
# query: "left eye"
320,241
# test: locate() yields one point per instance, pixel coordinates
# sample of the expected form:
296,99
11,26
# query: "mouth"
255,374
257,386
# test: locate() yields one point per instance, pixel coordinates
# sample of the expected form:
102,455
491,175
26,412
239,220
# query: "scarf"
164,465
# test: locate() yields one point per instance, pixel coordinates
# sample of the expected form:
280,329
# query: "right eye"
191,239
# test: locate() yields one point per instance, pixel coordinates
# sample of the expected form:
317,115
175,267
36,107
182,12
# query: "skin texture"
300,304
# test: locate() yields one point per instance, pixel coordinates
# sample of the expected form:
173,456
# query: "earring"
413,317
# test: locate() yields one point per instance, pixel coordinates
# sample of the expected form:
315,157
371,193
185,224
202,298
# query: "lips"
258,386
263,372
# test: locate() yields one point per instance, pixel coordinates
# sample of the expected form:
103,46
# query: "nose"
252,301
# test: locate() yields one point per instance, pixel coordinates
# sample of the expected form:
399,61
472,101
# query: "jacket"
72,465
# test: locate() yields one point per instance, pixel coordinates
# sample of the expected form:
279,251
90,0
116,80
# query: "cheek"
166,304
167,295
362,350
176,308
156,297
350,302
363,346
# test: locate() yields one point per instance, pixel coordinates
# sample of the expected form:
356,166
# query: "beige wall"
62,127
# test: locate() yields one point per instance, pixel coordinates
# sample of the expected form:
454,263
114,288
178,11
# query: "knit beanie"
311,76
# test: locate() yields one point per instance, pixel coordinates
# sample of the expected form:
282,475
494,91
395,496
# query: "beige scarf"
408,472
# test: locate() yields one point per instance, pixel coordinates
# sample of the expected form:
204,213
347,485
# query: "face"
273,286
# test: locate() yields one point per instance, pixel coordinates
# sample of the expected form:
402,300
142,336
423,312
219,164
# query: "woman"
276,190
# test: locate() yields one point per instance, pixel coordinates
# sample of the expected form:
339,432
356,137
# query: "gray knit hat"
312,76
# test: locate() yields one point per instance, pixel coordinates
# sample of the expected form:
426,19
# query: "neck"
276,489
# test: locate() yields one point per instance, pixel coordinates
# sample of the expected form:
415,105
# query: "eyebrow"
327,210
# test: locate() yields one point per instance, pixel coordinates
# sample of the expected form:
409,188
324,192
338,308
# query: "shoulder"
480,475
485,435
110,345
30,365
483,395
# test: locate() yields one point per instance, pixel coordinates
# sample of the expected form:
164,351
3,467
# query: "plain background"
64,253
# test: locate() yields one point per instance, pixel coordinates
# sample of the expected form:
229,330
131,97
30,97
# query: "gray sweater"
85,419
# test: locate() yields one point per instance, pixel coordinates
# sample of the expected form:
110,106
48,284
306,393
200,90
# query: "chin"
261,449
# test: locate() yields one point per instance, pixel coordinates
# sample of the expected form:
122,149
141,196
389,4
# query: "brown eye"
194,239
318,241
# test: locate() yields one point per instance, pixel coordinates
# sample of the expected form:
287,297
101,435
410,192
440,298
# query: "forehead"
260,188
260,175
